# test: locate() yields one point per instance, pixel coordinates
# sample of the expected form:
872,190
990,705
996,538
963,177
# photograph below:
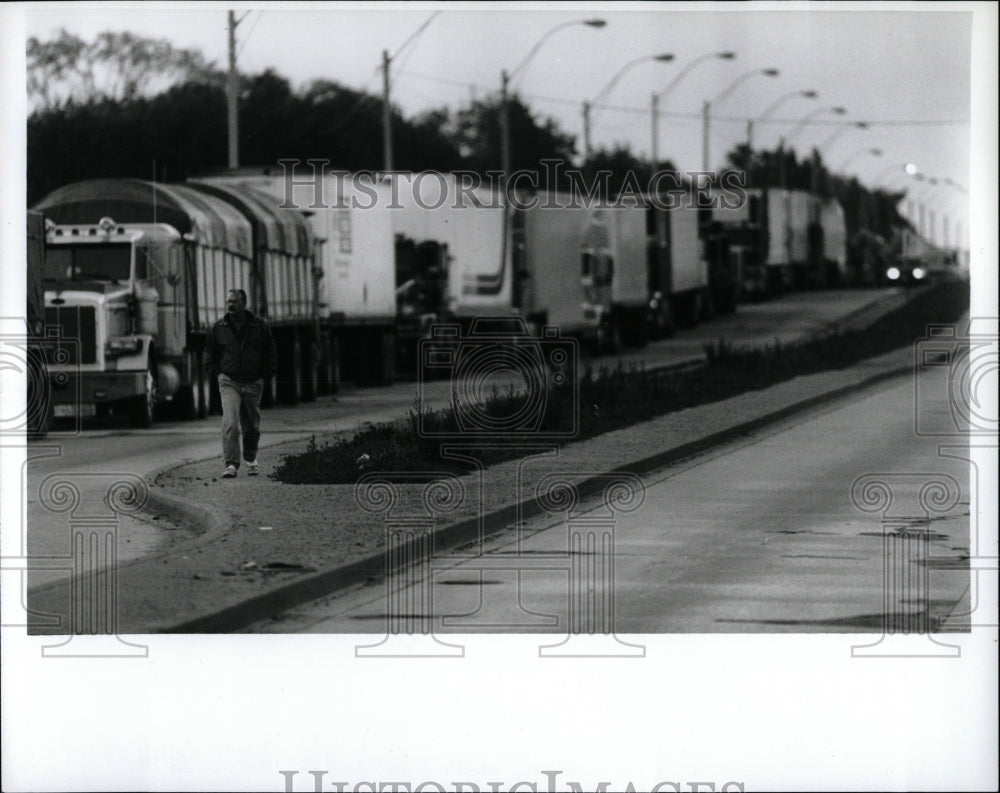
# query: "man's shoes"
252,467
230,472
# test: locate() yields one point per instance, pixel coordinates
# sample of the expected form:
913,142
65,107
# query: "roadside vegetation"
609,399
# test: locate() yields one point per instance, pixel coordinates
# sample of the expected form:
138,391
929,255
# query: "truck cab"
100,291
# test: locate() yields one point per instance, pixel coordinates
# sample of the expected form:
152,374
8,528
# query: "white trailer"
586,270
350,217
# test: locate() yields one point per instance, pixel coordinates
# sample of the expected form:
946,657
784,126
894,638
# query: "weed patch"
608,399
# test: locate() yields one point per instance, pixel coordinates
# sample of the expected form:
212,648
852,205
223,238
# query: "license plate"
88,410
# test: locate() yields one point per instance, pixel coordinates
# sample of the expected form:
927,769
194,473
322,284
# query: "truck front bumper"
81,388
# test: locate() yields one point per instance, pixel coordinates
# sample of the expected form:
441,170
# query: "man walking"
239,352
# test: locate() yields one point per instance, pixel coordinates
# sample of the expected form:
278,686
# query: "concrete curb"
334,579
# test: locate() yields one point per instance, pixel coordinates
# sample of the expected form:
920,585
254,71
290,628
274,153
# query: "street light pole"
706,108
386,105
769,111
232,96
795,131
855,155
728,56
386,115
505,83
603,93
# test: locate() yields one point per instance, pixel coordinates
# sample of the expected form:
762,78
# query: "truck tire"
310,368
664,324
387,353
290,371
142,408
329,372
609,336
707,312
189,398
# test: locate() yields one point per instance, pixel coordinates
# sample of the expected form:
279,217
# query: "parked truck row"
352,277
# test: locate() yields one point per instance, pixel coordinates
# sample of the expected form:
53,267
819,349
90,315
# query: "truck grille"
78,342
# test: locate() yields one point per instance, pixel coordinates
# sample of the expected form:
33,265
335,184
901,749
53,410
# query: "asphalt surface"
175,529
769,533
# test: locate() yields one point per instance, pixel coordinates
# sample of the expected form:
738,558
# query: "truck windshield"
88,262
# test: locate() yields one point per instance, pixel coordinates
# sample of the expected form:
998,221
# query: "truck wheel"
310,368
609,337
328,375
190,396
290,375
665,322
142,408
707,313
387,352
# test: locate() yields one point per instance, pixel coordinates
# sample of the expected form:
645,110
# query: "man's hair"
241,293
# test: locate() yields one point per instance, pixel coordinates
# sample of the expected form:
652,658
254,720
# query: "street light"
855,155
726,56
505,82
808,94
386,106
906,167
795,131
840,131
809,117
603,93
706,107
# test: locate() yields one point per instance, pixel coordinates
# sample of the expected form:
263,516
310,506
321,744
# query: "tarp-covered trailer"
350,219
136,274
284,287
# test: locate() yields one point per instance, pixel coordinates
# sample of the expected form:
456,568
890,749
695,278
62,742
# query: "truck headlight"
892,274
919,273
124,345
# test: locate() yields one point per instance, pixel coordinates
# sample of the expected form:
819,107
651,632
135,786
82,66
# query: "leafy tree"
117,66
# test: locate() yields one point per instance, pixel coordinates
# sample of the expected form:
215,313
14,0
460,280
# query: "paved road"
108,451
758,536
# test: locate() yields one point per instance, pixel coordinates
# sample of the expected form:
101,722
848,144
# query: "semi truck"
349,217
137,272
40,412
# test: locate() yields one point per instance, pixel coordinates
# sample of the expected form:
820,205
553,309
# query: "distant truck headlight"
124,345
892,273
919,273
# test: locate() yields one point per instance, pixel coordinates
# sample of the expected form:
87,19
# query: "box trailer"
350,218
586,270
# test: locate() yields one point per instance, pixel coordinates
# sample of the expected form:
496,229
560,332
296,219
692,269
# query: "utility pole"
655,150
504,127
704,136
586,129
386,115
232,98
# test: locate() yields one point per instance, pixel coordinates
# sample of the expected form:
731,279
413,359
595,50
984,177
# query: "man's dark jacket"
244,355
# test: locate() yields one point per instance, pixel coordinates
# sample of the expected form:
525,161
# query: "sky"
902,68
910,67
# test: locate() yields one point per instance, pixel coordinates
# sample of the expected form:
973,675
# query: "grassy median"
609,399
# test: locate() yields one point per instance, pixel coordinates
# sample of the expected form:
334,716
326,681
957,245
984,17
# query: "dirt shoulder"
263,546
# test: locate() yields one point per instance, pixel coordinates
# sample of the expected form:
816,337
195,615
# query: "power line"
249,32
696,115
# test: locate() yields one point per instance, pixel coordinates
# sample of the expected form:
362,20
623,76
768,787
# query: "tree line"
127,106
